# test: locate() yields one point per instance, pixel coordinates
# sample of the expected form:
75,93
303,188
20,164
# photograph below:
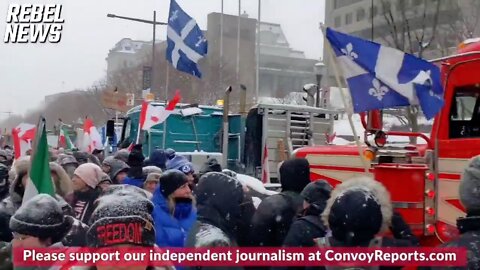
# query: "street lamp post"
154,23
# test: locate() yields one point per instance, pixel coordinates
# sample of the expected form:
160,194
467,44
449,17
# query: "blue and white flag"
381,77
186,43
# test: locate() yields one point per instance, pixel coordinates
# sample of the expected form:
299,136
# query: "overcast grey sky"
29,72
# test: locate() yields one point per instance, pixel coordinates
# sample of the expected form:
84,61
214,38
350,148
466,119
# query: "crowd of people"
163,202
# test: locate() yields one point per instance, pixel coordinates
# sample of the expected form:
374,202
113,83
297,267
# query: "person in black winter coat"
310,225
469,226
218,210
358,211
247,210
275,214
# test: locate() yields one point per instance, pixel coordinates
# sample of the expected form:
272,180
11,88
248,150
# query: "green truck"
196,131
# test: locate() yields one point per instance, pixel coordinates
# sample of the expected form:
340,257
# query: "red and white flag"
23,136
91,137
154,115
265,166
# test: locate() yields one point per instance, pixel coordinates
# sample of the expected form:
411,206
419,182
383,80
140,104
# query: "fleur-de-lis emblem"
200,41
378,90
174,15
434,95
348,51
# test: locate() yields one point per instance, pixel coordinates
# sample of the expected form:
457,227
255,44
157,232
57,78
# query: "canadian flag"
91,137
265,166
23,136
330,138
153,115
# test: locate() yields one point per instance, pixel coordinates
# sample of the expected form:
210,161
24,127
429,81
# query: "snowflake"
378,90
348,51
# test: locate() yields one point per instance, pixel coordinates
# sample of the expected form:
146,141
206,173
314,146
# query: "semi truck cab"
423,179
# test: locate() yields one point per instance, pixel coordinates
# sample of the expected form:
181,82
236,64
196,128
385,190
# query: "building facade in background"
127,53
453,21
282,69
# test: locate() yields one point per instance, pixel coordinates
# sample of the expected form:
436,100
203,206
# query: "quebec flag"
381,77
186,43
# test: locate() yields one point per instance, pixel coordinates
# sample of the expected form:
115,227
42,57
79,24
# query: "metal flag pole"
221,46
167,82
152,83
347,105
258,52
238,39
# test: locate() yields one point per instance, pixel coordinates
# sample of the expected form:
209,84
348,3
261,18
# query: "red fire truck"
423,179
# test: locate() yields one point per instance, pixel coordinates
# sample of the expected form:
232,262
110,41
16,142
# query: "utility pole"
154,23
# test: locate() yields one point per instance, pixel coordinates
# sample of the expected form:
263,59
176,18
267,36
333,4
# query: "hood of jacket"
294,174
63,184
358,205
19,169
218,201
117,166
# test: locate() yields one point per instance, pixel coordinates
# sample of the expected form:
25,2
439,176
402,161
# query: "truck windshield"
465,113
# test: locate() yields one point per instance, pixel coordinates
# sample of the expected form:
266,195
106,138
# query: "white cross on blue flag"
186,43
381,77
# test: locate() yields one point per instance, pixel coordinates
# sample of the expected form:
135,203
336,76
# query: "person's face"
120,177
191,179
183,192
27,241
305,204
151,186
78,184
106,168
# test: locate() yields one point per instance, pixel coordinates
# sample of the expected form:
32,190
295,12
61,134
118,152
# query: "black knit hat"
42,217
171,180
125,213
317,192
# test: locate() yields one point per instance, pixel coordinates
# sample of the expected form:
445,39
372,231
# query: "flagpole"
164,142
347,105
238,39
221,46
258,53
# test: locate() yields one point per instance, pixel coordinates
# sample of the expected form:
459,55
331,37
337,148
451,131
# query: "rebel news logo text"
34,23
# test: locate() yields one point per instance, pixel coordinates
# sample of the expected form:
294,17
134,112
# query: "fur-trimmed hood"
63,184
19,169
373,192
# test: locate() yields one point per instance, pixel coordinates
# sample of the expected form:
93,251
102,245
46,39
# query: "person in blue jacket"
174,212
135,173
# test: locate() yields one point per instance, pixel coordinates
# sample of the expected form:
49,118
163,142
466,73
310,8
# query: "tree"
413,34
